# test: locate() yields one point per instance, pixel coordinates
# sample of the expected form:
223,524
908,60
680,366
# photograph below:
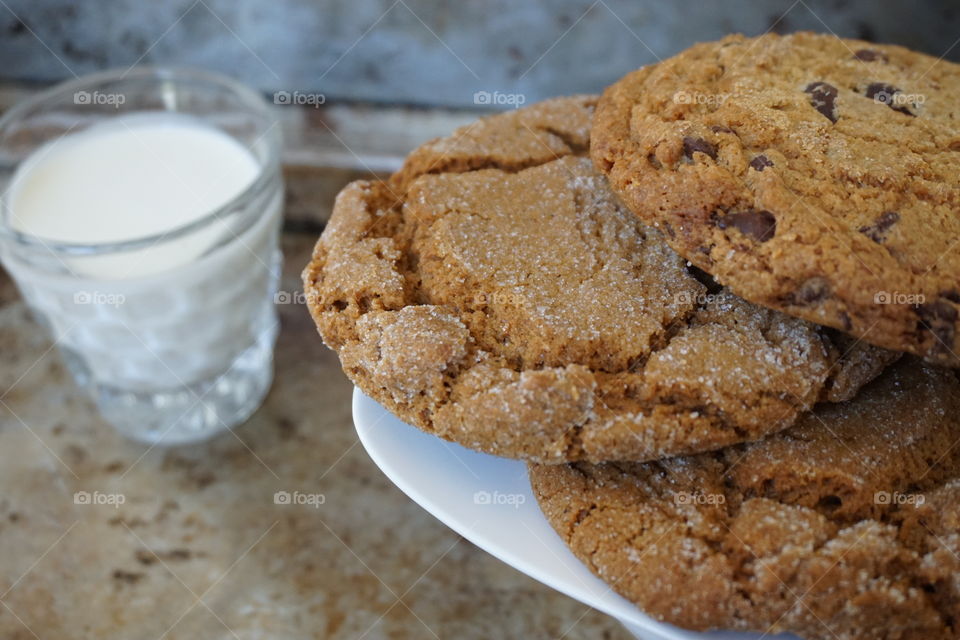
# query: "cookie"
844,527
495,293
810,174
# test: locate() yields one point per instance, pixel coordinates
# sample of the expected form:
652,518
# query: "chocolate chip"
812,290
939,310
887,94
878,230
951,294
823,97
694,145
759,224
871,55
761,162
939,318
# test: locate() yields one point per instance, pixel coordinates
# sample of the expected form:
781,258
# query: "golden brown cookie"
844,527
496,293
810,174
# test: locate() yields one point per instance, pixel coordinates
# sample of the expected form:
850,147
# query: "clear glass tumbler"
175,355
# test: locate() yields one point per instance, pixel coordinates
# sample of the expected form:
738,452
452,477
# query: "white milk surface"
136,176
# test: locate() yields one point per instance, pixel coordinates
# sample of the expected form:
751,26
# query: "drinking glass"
176,355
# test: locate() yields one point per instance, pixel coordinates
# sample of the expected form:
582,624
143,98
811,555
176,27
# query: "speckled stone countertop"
198,549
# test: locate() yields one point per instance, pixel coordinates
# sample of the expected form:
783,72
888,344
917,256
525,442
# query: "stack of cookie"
667,300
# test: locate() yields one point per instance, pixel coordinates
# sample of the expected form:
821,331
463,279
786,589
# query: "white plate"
488,501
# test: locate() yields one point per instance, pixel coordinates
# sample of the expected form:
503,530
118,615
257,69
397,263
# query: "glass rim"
248,97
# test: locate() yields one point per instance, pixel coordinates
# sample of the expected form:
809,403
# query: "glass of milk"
140,220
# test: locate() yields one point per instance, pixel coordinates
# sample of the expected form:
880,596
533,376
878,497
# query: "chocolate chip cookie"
810,174
496,293
844,527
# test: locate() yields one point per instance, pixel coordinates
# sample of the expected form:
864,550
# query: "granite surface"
199,549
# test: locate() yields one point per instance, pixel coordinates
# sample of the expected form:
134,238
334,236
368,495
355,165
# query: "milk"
133,177
179,309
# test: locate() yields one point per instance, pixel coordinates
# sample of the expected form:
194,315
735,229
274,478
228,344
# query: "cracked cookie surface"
494,292
844,527
810,174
